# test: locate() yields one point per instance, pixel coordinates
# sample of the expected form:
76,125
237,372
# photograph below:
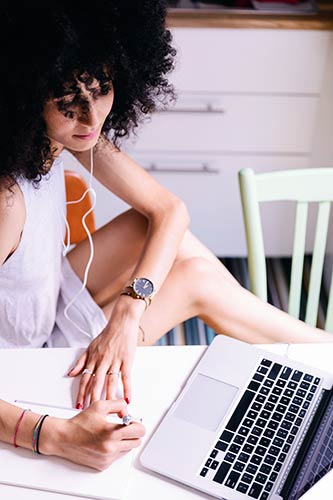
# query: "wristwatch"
140,288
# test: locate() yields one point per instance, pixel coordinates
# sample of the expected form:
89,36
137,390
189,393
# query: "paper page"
21,467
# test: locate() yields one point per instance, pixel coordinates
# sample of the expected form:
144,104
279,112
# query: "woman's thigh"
117,247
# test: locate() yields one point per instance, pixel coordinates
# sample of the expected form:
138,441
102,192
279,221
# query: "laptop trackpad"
205,402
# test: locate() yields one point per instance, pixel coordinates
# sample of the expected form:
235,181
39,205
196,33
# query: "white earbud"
91,243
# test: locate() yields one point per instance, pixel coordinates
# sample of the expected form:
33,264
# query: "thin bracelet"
18,426
36,432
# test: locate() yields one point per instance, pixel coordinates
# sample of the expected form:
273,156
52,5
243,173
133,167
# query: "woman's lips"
86,137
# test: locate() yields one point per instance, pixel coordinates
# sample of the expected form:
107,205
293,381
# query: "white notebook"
21,467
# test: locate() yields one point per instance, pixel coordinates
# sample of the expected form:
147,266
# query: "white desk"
158,375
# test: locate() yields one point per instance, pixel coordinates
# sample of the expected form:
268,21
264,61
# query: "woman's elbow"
179,210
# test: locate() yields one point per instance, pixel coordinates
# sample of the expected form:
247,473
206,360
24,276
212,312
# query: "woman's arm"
12,218
86,439
167,215
167,222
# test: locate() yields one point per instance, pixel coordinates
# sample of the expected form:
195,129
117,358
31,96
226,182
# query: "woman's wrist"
52,436
131,306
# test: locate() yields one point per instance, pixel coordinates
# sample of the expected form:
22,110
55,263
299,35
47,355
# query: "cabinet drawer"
213,199
241,60
242,124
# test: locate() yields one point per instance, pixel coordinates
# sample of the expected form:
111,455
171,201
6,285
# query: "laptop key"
221,445
264,496
258,377
269,486
239,466
242,487
255,490
264,441
261,478
284,400
297,375
247,478
239,439
251,469
214,453
248,448
308,377
230,457
253,386
234,448
282,433
265,469
226,436
269,459
204,472
240,410
208,463
262,369
243,457
256,406
266,362
214,465
232,479
274,371
252,439
286,372
222,472
256,459
269,433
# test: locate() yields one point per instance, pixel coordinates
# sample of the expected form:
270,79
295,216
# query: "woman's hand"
88,438
110,355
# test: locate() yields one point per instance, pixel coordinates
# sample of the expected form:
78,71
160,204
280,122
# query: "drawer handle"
203,169
209,108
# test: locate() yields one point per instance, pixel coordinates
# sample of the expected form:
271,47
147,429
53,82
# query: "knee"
199,275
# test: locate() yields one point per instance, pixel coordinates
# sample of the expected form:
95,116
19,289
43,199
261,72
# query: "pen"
112,417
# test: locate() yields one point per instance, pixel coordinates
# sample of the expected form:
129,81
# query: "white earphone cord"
91,243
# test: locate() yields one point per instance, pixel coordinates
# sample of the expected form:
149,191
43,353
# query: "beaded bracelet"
18,426
36,433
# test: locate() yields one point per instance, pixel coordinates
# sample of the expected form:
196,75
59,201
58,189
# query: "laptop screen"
319,457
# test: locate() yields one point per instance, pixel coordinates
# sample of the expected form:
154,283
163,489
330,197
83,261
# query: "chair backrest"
302,186
75,188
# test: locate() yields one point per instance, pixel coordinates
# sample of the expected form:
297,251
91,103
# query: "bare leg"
197,285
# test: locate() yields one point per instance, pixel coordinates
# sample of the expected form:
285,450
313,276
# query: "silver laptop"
247,424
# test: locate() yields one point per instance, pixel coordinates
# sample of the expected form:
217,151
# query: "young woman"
80,81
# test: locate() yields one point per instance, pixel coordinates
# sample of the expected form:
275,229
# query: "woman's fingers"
79,365
126,380
85,382
97,384
112,381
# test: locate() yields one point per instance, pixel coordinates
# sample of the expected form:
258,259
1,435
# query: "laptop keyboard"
255,443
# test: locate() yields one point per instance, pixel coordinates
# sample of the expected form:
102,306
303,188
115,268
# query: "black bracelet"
38,433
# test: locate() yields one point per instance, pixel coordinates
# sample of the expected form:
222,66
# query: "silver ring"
88,372
113,372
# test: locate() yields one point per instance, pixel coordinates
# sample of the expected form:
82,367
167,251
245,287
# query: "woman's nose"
89,116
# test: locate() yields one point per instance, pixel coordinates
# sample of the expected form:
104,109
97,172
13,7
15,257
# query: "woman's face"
75,121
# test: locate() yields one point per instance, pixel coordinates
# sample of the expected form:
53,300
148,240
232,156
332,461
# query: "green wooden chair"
302,186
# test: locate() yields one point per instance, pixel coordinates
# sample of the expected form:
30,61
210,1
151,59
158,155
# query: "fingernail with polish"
127,401
79,406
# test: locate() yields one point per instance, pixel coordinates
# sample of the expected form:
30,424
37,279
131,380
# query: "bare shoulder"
12,218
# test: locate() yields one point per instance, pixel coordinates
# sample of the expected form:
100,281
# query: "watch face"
143,287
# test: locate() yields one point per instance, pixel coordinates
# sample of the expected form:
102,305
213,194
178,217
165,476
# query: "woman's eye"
69,114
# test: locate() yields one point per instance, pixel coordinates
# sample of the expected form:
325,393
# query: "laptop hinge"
307,438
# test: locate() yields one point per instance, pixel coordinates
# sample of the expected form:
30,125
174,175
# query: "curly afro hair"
45,52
